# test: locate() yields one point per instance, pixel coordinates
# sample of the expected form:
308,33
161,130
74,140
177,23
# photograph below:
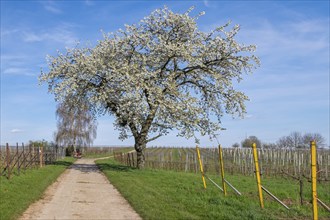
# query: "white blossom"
159,74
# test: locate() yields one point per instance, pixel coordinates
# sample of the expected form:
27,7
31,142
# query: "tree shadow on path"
62,163
85,168
115,167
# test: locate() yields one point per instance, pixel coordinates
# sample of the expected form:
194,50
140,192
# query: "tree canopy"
159,74
247,142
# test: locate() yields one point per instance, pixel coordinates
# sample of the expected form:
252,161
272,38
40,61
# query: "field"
170,187
163,194
96,152
285,173
273,162
17,193
160,194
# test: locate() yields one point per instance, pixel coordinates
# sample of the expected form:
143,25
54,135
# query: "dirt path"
81,192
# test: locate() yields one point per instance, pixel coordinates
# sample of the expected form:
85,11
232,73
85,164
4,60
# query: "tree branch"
148,122
154,138
146,93
165,64
134,130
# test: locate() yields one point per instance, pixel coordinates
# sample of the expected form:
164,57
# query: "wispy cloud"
298,38
19,71
16,130
52,7
89,2
5,32
61,34
292,38
21,62
32,37
16,59
206,3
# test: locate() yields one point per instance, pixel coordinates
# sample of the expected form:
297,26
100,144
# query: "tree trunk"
141,137
140,145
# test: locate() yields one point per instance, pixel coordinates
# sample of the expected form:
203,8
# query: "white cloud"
11,58
206,3
304,38
248,116
16,130
18,71
89,3
60,34
52,7
32,37
8,32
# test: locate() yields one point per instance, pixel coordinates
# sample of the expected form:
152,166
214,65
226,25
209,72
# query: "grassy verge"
19,192
107,153
158,194
97,155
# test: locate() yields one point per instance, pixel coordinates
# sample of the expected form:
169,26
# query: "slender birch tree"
160,74
76,125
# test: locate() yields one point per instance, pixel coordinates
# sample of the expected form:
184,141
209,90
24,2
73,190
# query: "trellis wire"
238,160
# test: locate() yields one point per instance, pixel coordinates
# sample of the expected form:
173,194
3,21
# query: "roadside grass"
159,194
97,155
107,154
20,191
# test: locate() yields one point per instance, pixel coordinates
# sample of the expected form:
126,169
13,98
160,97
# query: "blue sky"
289,92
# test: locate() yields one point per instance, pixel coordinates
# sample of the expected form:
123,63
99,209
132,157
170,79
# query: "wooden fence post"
18,157
40,156
133,162
33,156
24,159
8,160
314,179
128,160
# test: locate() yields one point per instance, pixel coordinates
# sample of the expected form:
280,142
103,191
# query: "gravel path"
81,192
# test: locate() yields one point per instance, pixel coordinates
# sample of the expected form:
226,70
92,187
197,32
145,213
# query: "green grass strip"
159,194
20,191
91,154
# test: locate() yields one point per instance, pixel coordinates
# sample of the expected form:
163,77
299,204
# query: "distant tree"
284,142
76,125
318,138
42,143
236,145
294,140
297,140
160,74
269,145
250,140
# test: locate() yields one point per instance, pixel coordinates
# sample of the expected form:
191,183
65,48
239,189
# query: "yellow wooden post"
201,166
222,170
313,166
256,163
